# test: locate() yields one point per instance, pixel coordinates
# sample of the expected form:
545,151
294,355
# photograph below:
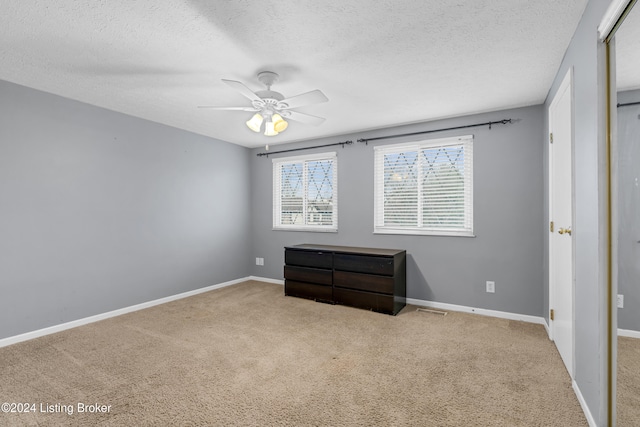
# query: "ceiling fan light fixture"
269,129
279,124
271,107
255,122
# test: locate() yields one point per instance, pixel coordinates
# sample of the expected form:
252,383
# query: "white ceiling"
380,63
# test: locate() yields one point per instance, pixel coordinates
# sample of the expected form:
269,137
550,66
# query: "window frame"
467,230
277,192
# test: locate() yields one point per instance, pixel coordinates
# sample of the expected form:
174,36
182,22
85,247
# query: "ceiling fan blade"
304,118
309,98
240,87
229,108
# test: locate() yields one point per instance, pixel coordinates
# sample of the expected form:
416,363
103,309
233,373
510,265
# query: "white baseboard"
547,328
451,307
442,306
583,405
628,333
265,279
481,311
75,323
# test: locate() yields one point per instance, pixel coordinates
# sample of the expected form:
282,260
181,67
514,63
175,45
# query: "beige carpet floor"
628,379
246,355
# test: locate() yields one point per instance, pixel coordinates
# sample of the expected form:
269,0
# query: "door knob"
565,231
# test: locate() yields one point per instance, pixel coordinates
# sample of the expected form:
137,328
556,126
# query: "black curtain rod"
366,140
627,104
499,122
305,148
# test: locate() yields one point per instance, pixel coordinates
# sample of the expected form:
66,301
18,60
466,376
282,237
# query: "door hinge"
551,137
551,226
551,314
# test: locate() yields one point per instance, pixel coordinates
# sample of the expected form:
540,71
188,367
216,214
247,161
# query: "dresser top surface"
347,249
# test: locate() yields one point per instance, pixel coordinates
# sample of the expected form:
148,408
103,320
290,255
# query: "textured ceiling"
380,63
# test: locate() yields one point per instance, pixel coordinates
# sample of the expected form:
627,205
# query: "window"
425,187
305,193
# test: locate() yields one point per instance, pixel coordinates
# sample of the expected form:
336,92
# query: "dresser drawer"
363,264
364,282
309,275
376,302
308,291
316,259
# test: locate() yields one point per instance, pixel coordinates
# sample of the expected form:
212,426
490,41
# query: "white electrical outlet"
620,301
259,261
491,286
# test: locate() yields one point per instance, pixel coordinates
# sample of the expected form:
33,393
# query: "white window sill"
313,230
425,233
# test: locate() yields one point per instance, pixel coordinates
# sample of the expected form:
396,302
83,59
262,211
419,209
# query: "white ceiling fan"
272,107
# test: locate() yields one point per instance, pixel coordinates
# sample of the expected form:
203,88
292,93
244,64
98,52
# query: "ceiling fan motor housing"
269,97
270,94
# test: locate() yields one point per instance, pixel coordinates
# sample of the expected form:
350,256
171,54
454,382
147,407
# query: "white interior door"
561,214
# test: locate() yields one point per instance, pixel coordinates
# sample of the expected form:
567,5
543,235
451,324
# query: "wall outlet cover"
491,286
620,301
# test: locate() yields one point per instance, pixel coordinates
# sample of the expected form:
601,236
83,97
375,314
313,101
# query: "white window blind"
425,187
305,192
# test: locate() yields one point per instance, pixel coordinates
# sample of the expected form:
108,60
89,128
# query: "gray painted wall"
508,198
629,210
100,211
586,56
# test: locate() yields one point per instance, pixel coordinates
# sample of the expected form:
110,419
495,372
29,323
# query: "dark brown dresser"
369,278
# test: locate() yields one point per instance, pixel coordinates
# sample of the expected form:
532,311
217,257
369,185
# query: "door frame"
567,84
613,18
